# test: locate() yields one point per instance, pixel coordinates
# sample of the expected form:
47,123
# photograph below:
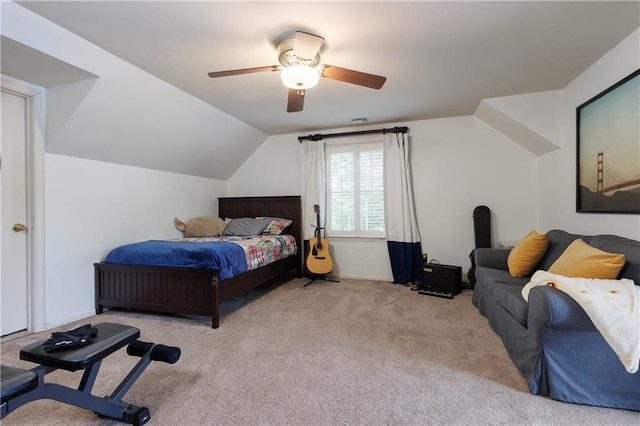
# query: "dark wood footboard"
157,289
177,290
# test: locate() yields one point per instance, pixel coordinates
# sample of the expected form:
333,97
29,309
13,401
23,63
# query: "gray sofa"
551,340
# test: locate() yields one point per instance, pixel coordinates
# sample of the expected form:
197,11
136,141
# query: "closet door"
13,213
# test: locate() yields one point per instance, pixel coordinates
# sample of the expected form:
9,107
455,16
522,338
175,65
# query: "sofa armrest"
549,307
495,258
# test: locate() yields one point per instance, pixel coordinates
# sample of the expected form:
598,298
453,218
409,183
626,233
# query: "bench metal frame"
110,406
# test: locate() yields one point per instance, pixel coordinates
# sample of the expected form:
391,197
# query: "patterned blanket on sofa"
612,305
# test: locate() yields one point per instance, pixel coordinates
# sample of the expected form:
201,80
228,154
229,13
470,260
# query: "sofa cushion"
527,254
558,242
509,297
585,261
492,257
630,248
491,278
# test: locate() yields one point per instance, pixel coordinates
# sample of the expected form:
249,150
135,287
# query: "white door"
13,213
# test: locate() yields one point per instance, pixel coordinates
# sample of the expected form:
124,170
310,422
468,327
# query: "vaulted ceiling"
127,80
440,58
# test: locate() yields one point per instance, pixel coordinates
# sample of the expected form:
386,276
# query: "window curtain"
403,237
315,192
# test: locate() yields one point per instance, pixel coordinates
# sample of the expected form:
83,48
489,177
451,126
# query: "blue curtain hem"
406,261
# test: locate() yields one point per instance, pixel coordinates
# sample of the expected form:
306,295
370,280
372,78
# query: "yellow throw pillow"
527,254
582,260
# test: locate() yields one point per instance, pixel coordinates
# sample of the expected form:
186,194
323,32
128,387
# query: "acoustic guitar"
319,260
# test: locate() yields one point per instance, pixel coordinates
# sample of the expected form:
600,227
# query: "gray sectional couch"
551,339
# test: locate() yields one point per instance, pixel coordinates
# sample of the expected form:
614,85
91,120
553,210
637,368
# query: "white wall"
558,169
92,206
457,164
273,169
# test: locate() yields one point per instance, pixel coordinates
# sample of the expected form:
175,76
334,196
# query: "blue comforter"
228,258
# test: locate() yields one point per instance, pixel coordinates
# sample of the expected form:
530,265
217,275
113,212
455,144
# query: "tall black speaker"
441,280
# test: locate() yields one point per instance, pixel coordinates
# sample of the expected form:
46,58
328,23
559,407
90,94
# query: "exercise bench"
20,387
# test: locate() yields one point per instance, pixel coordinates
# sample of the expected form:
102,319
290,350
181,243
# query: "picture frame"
608,150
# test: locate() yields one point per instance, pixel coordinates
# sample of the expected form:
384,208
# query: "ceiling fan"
299,59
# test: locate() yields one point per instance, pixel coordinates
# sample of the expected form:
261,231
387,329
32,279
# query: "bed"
198,291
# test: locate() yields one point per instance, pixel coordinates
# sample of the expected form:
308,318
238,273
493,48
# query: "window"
355,190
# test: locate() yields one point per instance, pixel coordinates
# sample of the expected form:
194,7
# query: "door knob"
19,227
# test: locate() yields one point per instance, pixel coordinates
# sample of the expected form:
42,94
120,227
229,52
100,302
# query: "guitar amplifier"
441,280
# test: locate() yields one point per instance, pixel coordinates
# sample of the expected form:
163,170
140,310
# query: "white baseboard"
349,277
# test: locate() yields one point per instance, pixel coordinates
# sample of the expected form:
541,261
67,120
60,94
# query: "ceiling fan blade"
307,46
354,77
295,101
215,74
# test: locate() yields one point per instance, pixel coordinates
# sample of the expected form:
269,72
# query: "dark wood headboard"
287,207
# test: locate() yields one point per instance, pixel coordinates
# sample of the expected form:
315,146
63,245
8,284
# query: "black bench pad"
110,338
15,382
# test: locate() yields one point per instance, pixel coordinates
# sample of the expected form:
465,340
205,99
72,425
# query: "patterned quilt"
231,256
259,251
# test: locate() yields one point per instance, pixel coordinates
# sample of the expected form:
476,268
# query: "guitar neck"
318,228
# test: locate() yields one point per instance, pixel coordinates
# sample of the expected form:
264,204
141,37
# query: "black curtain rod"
318,137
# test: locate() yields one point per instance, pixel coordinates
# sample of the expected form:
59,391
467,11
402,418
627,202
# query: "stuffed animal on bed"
202,226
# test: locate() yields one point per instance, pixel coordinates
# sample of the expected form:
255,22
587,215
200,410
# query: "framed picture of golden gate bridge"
608,150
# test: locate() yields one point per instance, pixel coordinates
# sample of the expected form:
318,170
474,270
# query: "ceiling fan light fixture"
300,77
300,69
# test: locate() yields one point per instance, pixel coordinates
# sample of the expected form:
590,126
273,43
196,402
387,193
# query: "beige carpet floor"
349,353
